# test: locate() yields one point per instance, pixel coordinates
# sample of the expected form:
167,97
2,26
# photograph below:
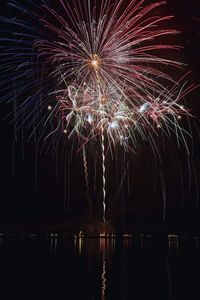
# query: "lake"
60,266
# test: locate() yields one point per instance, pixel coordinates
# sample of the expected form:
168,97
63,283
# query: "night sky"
51,193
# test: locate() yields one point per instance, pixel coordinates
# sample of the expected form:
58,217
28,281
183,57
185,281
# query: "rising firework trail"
95,71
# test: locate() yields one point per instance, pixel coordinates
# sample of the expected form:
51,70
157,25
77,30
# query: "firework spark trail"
85,170
87,180
101,103
66,163
103,173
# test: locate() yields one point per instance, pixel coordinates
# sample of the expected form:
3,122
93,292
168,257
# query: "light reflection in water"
173,242
78,240
53,242
80,245
125,252
103,275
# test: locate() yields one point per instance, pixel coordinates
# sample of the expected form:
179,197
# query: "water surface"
52,266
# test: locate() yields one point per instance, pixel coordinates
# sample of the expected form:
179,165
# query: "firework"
93,71
110,42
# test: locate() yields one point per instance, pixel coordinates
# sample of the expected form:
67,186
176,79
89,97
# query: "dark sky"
60,184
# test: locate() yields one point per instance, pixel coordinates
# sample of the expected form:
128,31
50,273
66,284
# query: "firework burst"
94,70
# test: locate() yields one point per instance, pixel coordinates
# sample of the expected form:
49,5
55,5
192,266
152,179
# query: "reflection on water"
53,242
138,267
103,275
